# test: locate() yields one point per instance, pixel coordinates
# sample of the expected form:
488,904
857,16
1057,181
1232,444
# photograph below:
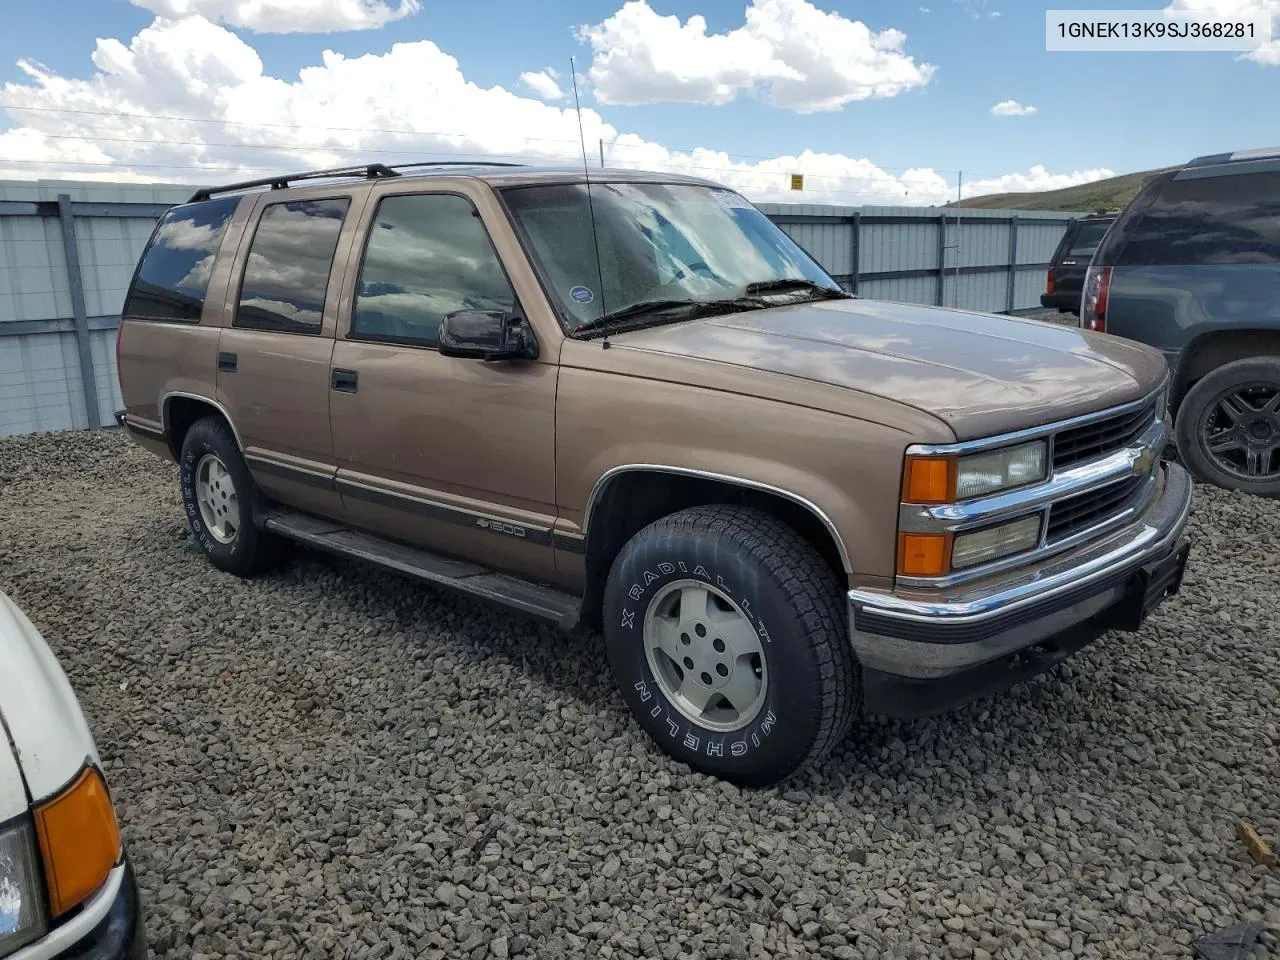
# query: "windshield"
659,242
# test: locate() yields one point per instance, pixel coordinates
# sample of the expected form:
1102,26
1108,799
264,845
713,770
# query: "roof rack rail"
454,163
369,171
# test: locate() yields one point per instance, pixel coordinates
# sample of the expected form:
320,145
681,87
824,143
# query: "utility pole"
602,151
959,188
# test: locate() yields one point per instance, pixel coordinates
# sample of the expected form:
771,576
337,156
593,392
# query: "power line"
299,126
253,123
367,151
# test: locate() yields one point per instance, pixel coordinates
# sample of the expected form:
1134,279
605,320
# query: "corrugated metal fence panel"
109,251
41,382
40,386
33,270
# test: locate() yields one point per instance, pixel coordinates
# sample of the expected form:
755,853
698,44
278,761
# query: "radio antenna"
591,209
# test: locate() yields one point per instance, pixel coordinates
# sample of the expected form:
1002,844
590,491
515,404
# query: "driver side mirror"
486,335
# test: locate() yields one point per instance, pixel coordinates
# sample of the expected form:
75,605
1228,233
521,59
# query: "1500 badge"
498,526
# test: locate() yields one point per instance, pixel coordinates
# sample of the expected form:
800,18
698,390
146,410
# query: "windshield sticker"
582,294
731,200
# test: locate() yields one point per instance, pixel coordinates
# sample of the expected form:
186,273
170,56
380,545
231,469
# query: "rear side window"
287,274
174,273
1209,220
1086,239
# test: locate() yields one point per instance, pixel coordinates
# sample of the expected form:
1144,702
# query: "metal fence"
68,250
990,260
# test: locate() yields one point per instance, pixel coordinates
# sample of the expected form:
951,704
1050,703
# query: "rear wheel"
1228,427
726,632
222,501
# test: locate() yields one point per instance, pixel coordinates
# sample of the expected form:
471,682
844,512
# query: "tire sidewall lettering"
187,487
638,589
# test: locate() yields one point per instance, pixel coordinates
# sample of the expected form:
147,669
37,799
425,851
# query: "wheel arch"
1217,348
180,410
629,497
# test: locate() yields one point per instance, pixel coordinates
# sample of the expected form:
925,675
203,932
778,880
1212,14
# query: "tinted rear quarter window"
173,275
1225,219
1086,239
287,275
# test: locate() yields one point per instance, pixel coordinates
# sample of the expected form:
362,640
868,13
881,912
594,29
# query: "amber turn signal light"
929,480
924,554
79,841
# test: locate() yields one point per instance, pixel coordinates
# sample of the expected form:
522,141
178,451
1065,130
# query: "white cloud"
289,16
1267,54
789,51
410,103
976,8
544,83
1035,179
1012,108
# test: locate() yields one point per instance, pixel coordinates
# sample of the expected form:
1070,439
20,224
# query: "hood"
981,374
46,731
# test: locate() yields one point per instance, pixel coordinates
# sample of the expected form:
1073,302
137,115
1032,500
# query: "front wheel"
727,635
1228,427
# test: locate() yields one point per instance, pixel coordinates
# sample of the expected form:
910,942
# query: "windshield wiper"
689,309
797,283
643,308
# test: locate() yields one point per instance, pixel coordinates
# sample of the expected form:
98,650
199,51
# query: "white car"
66,889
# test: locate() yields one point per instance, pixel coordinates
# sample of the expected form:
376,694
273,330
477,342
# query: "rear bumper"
924,653
1068,300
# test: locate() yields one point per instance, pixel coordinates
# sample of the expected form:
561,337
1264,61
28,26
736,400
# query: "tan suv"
637,405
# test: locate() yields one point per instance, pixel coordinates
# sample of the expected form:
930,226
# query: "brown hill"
1110,194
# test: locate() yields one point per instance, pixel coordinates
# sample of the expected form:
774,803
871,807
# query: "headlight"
982,546
1000,469
22,916
947,479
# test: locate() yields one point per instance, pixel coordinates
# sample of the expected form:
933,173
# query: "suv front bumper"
924,652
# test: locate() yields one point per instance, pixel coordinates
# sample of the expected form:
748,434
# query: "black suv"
1192,266
1070,261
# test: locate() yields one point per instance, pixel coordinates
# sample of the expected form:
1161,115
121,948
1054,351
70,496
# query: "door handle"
345,381
226,363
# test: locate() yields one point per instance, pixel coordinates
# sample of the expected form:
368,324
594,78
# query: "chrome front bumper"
923,635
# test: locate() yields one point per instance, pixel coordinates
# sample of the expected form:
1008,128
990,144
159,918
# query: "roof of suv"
495,173
1212,159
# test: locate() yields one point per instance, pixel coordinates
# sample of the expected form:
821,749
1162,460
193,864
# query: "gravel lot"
333,762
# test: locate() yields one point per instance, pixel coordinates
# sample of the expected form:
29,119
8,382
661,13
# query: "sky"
873,102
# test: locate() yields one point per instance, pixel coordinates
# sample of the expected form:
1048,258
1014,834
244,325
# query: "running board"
545,603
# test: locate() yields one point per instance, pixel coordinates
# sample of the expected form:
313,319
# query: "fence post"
942,259
76,281
1013,263
857,253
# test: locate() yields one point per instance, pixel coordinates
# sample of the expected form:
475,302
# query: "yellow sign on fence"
797,181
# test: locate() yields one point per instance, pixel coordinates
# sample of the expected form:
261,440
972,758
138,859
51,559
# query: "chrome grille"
1104,469
1077,514
1102,437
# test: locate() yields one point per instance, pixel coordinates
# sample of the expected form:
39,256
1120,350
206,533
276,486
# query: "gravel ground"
333,762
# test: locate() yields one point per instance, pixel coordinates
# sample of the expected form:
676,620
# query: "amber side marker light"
79,841
924,554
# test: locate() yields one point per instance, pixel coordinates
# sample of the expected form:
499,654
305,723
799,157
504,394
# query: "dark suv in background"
1192,266
1065,280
